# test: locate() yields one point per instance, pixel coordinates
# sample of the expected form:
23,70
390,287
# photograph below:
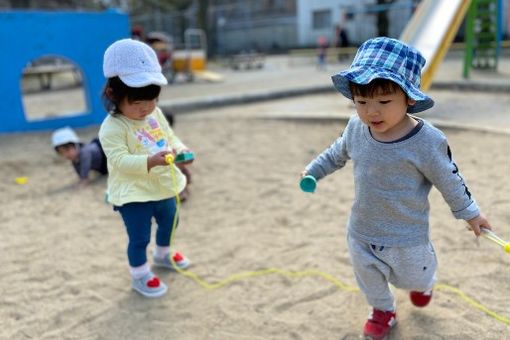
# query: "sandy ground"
65,276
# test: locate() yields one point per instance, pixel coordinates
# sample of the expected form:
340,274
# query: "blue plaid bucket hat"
388,59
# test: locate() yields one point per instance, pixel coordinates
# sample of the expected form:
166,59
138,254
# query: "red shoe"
420,299
181,261
379,324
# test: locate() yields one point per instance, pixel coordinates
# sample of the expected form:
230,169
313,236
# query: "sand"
64,271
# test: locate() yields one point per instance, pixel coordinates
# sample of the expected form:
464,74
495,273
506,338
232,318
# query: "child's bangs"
148,92
115,91
378,86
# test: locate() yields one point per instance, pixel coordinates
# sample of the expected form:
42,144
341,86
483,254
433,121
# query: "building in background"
275,25
252,25
234,26
360,19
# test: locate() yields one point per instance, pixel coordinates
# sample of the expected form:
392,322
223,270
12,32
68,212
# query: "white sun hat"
64,136
134,62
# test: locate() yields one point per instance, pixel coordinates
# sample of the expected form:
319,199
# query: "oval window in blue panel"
52,87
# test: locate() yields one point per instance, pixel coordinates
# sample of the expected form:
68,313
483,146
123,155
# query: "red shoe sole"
419,299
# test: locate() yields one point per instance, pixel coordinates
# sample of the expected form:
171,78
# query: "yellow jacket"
127,143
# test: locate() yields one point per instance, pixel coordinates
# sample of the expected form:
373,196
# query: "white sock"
140,271
161,252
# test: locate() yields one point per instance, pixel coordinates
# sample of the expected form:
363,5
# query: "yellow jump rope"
170,159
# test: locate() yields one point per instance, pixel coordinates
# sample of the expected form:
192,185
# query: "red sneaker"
181,261
379,324
420,299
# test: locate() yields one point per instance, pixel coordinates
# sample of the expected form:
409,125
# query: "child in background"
322,47
136,137
397,158
83,157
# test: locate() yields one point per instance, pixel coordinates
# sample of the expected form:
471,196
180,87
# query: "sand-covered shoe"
181,261
149,285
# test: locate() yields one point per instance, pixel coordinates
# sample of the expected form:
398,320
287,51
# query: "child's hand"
158,159
182,165
303,173
476,223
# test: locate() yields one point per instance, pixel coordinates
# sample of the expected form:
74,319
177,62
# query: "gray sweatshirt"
393,181
91,157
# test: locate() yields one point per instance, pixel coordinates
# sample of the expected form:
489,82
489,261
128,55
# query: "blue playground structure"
80,37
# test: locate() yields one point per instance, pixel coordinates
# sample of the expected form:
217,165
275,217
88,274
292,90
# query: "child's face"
69,152
385,114
138,109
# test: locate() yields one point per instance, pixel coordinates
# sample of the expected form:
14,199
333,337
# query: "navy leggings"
137,217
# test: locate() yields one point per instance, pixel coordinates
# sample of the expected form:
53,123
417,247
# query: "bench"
247,61
45,73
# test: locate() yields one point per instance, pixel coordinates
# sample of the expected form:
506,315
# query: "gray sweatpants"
375,267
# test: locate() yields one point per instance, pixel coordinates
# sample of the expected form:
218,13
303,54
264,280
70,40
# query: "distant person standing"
137,33
341,40
322,48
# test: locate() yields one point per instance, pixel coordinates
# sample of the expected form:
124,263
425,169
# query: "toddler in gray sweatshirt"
397,158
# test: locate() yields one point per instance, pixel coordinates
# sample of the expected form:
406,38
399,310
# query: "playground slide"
431,30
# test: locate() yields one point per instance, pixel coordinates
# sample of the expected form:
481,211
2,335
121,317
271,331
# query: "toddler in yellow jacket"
136,138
